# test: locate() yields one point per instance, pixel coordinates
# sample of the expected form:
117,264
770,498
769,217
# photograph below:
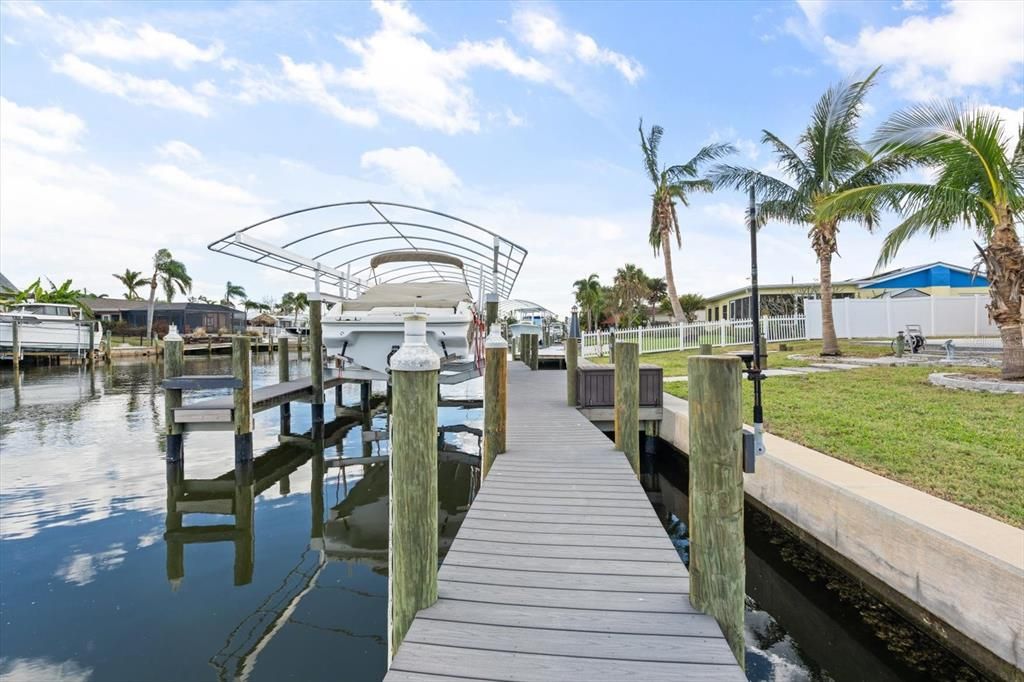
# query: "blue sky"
130,127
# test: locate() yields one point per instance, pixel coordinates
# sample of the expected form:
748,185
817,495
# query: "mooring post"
175,560
512,345
763,357
572,347
611,346
491,309
705,349
241,369
106,346
90,356
209,346
534,351
283,376
547,335
717,570
316,361
364,396
412,559
174,366
524,352
495,398
15,346
245,542
627,402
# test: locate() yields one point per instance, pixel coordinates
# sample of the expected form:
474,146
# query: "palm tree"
300,302
588,296
35,292
691,303
658,291
671,184
233,291
631,290
171,274
132,280
828,161
979,184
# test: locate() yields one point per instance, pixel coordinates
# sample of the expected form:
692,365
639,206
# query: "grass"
674,363
962,446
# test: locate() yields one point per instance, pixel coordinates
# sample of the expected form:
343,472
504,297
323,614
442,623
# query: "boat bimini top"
351,247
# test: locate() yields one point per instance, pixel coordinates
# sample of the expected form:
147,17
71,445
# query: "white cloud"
412,169
180,151
1012,120
975,44
748,148
308,83
181,181
50,129
814,11
542,31
411,79
911,6
514,120
115,40
31,669
157,92
111,39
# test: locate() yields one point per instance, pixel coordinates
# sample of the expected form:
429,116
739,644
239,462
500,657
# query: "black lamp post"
574,323
754,373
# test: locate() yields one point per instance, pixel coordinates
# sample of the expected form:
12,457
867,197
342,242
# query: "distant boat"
55,327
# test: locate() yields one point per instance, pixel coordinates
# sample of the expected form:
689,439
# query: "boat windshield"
47,309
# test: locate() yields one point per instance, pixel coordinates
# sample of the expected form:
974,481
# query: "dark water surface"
114,567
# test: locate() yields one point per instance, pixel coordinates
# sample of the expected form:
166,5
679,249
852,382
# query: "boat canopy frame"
480,258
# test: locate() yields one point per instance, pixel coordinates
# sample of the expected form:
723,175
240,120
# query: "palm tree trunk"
823,241
150,308
1004,263
670,279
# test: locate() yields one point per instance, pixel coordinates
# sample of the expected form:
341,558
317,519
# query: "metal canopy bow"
334,245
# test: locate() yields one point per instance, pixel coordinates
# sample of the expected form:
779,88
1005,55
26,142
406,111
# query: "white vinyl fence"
869,318
690,336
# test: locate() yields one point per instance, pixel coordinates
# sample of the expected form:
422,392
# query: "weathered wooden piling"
245,544
534,351
491,309
572,347
717,570
412,559
495,398
241,369
283,376
90,355
611,346
547,335
512,347
316,361
763,356
15,346
627,402
106,346
705,349
174,366
364,396
175,559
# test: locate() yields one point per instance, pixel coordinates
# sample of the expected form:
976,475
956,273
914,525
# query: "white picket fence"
689,336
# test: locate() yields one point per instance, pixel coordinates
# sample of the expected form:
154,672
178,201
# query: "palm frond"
649,145
788,159
737,177
830,137
707,153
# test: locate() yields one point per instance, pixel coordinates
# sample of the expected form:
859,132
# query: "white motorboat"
368,329
55,327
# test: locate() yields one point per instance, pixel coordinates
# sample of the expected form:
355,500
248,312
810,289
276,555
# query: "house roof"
771,287
900,272
116,305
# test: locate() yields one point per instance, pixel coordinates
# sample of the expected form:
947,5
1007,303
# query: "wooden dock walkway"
562,570
220,410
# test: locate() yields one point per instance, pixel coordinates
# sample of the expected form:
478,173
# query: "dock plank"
561,569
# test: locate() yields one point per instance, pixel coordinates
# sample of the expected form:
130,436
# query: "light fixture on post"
574,323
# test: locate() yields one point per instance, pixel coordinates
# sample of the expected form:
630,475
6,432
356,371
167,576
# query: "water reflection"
264,563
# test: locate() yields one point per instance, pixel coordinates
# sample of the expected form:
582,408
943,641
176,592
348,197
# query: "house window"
725,313
716,313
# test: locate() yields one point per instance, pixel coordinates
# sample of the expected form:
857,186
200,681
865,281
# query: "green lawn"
674,362
959,445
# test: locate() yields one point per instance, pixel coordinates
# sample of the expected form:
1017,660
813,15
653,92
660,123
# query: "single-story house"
188,316
932,279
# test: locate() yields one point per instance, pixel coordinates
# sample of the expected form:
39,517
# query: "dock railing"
690,336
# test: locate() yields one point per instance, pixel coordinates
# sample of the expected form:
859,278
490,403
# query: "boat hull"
48,336
369,342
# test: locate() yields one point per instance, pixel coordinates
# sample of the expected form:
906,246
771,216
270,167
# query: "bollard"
572,349
90,356
534,351
241,369
174,365
316,362
15,346
283,376
717,572
627,402
763,356
495,398
412,559
705,349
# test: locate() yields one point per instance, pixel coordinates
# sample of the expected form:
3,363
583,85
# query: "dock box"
595,385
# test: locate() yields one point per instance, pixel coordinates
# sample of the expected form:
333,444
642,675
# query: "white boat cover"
408,294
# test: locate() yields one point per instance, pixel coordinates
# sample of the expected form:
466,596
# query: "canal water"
115,567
